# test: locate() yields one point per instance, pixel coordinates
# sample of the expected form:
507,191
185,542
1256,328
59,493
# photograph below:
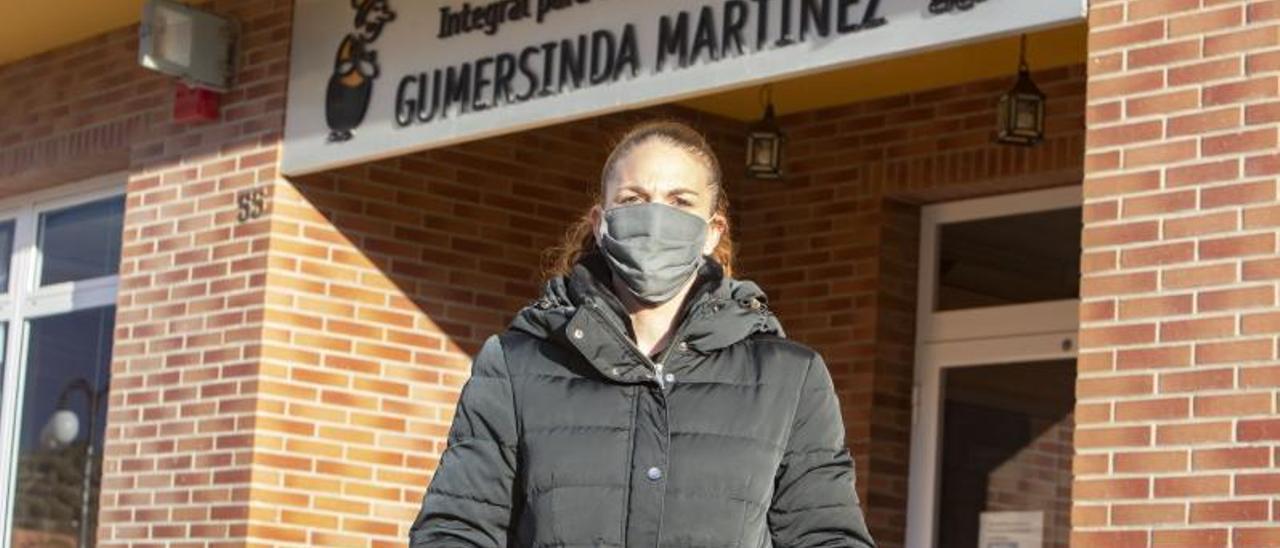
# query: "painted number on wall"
251,202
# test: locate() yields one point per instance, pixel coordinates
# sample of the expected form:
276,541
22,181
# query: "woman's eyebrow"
682,190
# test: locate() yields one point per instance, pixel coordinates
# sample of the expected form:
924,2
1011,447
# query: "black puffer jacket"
565,437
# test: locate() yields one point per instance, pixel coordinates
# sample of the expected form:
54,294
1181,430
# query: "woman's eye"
627,199
681,202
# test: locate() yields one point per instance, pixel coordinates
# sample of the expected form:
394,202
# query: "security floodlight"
191,44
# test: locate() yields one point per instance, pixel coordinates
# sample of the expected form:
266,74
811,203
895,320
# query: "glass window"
1006,447
6,254
61,429
1015,259
4,350
81,242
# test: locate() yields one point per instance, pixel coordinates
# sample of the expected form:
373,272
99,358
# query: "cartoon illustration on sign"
355,67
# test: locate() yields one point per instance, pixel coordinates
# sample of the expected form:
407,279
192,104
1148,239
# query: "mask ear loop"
599,233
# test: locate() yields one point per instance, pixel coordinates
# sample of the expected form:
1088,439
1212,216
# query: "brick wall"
181,452
835,242
1178,372
184,450
71,113
179,446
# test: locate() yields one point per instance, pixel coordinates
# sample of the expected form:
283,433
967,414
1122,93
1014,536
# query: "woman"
648,398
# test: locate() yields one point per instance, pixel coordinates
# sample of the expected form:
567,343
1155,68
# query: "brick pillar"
1176,410
180,448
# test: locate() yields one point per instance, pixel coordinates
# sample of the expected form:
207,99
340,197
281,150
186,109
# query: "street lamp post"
63,427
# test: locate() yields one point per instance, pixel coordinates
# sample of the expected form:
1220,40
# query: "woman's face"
658,171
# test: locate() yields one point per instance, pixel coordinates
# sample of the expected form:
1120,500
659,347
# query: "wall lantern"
195,46
764,143
1021,109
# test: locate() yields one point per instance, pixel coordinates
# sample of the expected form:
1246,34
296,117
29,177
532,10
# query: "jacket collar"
580,311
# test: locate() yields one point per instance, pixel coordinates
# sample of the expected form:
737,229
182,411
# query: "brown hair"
580,240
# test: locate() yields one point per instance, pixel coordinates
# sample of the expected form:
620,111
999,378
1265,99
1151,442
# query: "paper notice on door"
1011,530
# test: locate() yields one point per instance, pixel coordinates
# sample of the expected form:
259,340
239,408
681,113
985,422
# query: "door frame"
972,337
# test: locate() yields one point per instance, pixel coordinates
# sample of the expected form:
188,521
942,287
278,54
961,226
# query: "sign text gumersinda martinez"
602,56
371,79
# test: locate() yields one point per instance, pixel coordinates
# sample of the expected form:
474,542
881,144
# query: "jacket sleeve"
469,501
814,502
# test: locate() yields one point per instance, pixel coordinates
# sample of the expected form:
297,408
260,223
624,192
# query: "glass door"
995,370
1005,449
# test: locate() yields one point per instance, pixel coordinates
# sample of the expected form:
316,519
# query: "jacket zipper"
631,449
657,369
630,344
675,339
666,352
656,366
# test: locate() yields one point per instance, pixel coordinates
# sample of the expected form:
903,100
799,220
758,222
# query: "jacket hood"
718,311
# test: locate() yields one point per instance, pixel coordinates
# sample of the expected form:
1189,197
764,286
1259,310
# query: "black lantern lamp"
764,143
1021,112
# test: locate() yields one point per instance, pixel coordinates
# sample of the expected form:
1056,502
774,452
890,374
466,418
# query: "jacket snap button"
655,473
684,346
669,377
577,333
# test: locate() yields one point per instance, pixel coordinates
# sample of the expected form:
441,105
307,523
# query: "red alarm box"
193,104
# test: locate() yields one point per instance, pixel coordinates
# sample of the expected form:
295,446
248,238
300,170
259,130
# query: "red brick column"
180,452
179,455
1177,422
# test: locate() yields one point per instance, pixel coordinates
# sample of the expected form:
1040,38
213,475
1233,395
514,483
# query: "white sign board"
376,78
1011,530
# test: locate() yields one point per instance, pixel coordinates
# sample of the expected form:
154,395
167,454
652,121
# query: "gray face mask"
653,248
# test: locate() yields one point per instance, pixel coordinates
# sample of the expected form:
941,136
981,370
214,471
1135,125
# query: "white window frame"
25,301
972,337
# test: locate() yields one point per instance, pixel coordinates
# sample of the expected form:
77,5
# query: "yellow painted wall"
33,26
937,68
29,27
